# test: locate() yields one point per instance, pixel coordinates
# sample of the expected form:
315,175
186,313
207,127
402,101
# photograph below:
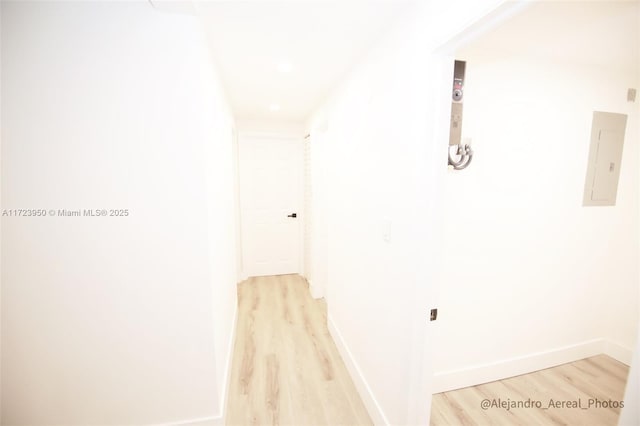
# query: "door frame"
240,135
427,297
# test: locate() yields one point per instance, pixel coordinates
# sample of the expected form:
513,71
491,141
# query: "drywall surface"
117,319
380,164
529,271
630,414
316,215
272,127
372,166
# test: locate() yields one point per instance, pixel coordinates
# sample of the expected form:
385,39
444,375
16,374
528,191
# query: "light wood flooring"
286,368
287,371
598,378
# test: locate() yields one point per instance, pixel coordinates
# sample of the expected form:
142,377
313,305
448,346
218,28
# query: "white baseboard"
316,293
471,376
219,419
368,398
618,352
203,421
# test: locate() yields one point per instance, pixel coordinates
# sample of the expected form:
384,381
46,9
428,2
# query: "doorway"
270,172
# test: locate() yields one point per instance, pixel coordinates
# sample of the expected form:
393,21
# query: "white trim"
201,421
174,7
270,127
368,398
271,135
484,373
302,214
484,22
315,291
219,419
618,352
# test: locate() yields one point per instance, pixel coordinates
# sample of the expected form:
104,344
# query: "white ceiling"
321,40
600,33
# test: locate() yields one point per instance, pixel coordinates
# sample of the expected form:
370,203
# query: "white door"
270,203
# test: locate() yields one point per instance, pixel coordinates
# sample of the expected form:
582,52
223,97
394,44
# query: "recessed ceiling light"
285,67
274,107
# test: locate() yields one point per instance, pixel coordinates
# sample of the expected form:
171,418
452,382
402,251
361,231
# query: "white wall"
317,272
531,277
630,414
1,316
113,320
378,160
383,156
521,222
276,126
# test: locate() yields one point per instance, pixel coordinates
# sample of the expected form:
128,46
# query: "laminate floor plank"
286,369
594,385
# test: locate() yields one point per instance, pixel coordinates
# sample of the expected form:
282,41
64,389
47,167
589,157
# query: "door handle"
292,215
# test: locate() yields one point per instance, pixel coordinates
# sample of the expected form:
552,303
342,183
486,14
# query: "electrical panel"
605,156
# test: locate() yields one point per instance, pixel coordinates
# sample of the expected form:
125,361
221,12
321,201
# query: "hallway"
156,154
286,368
